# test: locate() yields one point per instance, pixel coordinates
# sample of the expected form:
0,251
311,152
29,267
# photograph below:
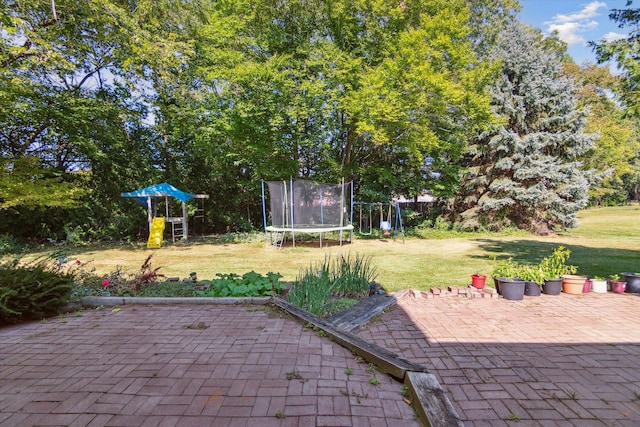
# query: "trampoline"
302,206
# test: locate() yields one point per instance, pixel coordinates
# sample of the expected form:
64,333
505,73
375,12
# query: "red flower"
105,283
78,262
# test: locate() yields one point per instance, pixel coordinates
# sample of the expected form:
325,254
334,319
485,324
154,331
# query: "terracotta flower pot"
573,284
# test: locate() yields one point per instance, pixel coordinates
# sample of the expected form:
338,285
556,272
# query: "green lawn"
606,242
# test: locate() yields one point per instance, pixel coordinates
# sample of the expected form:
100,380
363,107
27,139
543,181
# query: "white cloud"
571,26
611,36
588,12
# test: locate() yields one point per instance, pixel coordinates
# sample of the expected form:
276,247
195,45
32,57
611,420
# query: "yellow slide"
156,234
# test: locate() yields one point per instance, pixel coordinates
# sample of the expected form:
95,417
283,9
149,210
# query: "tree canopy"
215,96
625,53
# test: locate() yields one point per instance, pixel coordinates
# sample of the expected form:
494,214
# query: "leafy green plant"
531,273
550,267
513,417
34,290
505,268
555,266
405,391
249,284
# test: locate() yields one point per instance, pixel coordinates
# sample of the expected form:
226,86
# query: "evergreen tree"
525,170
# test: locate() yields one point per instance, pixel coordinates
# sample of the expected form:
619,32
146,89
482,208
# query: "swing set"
371,213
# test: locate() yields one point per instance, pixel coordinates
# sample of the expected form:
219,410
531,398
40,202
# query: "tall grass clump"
353,276
319,288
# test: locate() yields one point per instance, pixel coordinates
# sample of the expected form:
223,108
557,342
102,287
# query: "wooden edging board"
427,396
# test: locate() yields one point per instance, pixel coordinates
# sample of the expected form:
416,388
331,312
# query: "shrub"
9,245
32,291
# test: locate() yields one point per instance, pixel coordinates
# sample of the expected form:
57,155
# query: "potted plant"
616,284
599,285
512,288
633,282
553,268
503,269
532,276
572,284
478,280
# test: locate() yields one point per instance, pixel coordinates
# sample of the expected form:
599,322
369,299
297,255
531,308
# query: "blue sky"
577,22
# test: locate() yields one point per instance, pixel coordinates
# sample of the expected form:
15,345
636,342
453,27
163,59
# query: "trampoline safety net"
304,204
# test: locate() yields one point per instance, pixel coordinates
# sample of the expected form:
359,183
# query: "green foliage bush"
9,245
247,285
320,288
32,291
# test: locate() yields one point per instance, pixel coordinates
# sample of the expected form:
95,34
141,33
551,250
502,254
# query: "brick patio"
187,366
546,361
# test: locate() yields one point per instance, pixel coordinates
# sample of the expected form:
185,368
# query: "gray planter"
532,289
633,282
552,286
512,289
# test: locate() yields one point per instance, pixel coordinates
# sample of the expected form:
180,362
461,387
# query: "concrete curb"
111,301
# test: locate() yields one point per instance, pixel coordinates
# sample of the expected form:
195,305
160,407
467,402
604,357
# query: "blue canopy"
158,190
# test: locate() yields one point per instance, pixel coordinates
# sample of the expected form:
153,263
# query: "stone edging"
112,301
453,291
